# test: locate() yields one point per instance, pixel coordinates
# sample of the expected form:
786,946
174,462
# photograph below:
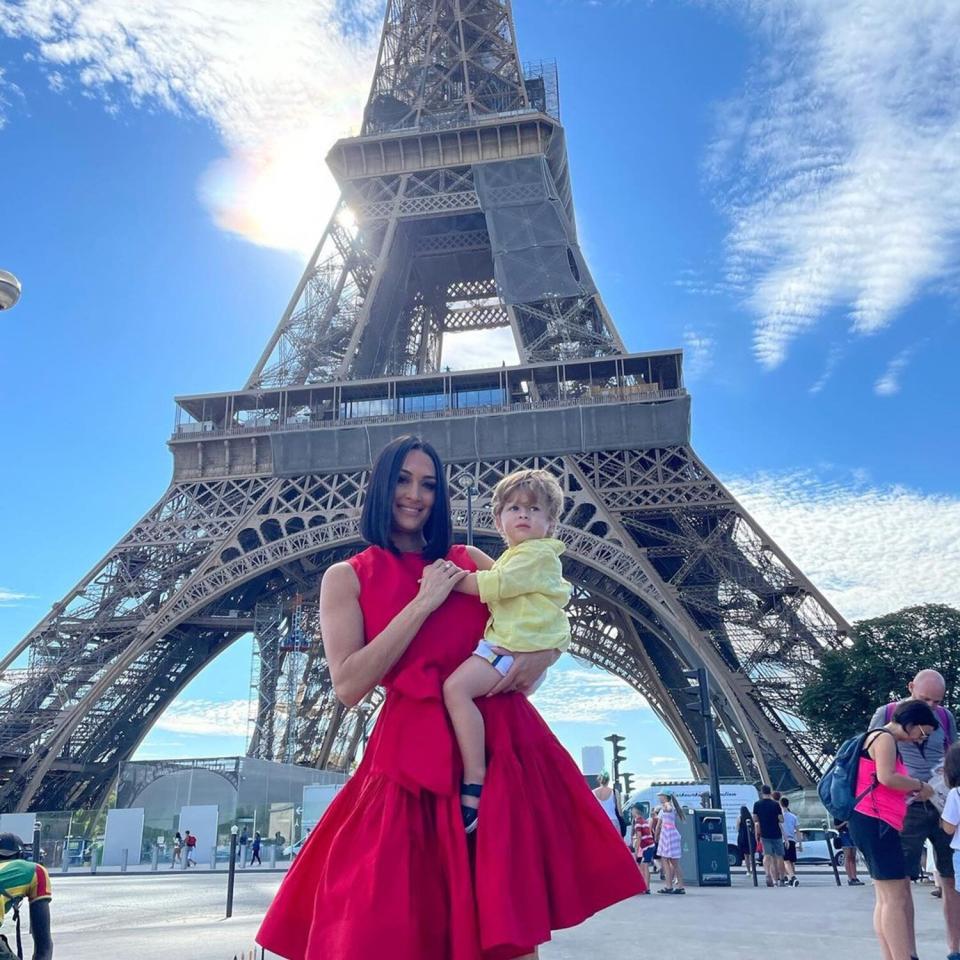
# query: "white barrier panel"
201,821
316,798
124,832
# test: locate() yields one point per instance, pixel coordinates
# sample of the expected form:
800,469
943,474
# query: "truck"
733,796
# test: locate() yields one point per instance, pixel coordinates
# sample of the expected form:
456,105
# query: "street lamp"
466,484
9,290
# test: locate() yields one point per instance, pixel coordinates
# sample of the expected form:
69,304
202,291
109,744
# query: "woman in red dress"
388,871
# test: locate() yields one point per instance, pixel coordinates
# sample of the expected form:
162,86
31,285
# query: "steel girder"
109,658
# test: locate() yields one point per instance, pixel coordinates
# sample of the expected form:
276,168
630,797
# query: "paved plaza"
152,916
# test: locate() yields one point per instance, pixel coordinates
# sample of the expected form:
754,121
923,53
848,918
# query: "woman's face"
414,494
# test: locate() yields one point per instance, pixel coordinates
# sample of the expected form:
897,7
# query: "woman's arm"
356,668
884,753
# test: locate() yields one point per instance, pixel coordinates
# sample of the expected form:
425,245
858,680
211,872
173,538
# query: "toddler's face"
522,519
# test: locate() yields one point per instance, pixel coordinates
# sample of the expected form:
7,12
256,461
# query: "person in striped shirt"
643,843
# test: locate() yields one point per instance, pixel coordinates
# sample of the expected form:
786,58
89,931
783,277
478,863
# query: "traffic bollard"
213,859
124,857
155,858
93,860
231,871
273,856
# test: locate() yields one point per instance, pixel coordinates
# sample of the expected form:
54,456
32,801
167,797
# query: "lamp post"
466,484
9,290
232,870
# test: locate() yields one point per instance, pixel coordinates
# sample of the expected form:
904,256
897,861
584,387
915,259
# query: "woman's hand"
436,583
925,792
526,670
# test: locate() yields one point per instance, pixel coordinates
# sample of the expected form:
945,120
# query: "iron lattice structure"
456,214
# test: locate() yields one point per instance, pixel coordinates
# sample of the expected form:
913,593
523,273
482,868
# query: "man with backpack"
190,841
922,822
22,880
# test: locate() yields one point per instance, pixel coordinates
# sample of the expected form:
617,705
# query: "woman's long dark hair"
376,520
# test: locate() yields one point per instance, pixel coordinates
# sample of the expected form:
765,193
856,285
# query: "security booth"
703,859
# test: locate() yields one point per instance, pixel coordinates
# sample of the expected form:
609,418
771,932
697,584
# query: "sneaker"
470,818
854,883
770,883
936,892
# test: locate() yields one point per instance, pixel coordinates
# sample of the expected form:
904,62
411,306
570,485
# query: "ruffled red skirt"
388,871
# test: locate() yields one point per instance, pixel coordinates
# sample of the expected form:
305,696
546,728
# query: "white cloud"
279,82
10,597
841,164
474,349
889,383
673,761
226,718
697,353
577,694
870,549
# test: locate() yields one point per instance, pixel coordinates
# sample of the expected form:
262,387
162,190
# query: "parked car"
819,846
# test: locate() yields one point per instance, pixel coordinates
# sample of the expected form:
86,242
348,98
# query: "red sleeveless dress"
389,872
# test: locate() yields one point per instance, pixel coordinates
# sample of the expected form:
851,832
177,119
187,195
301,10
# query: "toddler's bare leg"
473,678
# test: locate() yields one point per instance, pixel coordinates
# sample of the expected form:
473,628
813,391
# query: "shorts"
772,846
845,840
790,851
880,845
922,823
647,855
502,662
956,870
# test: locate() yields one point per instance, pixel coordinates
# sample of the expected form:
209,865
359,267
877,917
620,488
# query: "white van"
733,796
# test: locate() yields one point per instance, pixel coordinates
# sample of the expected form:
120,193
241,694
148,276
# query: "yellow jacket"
526,594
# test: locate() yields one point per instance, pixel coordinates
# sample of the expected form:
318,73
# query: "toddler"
526,594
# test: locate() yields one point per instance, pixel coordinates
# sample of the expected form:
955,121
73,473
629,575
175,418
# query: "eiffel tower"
455,215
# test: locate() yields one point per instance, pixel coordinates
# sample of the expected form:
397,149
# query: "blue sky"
774,187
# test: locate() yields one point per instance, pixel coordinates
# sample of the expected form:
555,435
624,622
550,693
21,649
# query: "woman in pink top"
883,788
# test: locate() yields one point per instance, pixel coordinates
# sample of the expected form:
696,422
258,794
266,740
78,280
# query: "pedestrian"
746,839
768,826
922,821
389,616
951,809
882,786
20,880
190,842
643,843
610,801
668,843
177,849
525,593
255,849
846,844
243,841
790,841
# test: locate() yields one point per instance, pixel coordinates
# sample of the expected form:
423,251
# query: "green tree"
883,656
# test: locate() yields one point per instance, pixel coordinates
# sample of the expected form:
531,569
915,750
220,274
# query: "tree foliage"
883,656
